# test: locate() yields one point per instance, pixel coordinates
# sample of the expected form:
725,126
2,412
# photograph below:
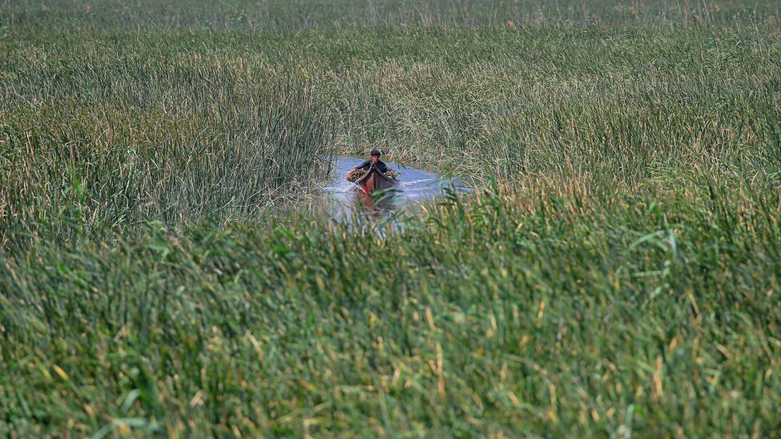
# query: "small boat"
374,180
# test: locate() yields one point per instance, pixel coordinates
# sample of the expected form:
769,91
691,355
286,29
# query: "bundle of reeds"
356,175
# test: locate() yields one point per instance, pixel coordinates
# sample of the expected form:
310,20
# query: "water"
415,187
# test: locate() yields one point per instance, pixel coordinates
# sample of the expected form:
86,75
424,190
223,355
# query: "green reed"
615,274
553,311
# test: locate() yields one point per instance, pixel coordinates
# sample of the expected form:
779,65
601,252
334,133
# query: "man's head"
376,156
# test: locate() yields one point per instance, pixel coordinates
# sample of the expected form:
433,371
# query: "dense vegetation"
617,276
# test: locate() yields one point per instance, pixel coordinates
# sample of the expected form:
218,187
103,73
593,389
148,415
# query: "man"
375,161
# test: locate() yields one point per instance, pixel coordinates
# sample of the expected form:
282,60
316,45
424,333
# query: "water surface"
415,187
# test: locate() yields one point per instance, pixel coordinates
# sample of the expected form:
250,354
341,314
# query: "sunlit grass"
578,311
615,274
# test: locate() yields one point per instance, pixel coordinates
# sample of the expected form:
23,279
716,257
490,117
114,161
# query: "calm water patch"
415,187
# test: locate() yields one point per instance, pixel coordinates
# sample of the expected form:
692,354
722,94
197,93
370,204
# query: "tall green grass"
554,311
615,275
326,15
154,134
177,125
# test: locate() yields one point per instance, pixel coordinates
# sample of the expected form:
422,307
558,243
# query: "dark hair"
376,153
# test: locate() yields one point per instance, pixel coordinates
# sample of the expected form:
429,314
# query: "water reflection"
344,200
